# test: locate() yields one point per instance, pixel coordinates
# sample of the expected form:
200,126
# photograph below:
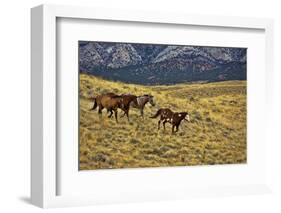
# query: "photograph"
147,105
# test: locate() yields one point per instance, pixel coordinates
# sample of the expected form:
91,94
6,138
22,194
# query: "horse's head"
150,100
185,116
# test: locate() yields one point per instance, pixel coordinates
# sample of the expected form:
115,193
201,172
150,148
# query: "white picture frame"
44,154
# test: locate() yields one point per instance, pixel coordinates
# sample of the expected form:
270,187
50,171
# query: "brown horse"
110,101
174,118
127,99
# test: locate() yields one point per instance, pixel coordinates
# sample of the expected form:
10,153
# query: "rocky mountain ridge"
161,64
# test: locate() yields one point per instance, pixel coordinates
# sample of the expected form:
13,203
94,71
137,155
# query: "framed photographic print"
130,106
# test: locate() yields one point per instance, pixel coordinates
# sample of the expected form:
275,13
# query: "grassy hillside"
215,135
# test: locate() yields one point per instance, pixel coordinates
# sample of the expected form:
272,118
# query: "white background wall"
15,103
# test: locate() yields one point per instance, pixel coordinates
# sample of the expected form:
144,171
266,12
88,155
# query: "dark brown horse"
174,118
127,99
110,101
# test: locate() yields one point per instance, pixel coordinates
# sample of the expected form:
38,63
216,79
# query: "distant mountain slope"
161,64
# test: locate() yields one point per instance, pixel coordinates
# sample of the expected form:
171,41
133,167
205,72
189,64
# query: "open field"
215,135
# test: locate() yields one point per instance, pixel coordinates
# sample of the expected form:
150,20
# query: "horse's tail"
95,104
157,114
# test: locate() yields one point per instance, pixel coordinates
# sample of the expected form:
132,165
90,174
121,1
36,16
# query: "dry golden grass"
215,135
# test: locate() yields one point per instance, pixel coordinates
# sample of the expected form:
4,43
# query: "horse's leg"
141,111
159,124
173,129
123,115
177,127
127,113
115,113
100,109
110,113
164,125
